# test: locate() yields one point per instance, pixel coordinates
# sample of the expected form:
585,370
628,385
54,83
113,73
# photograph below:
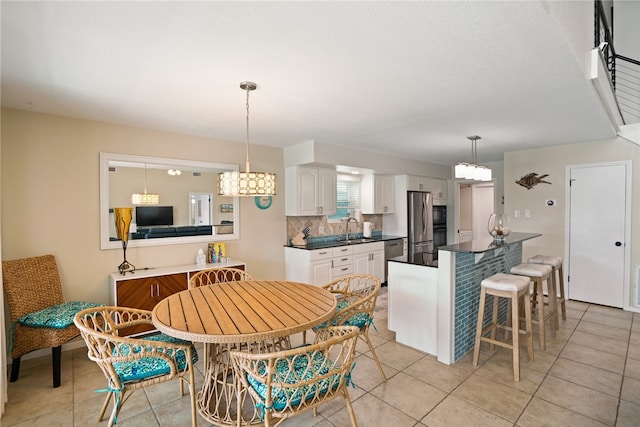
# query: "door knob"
618,243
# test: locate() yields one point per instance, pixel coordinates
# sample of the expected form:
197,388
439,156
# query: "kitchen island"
435,309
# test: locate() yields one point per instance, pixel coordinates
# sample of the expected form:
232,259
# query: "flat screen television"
147,216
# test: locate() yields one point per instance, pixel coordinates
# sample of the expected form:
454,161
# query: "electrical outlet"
527,213
516,214
321,229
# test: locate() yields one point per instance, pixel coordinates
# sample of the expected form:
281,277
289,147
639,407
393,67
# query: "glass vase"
498,226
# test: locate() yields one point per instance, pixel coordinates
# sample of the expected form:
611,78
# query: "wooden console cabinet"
145,288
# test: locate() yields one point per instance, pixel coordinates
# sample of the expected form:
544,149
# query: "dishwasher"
393,248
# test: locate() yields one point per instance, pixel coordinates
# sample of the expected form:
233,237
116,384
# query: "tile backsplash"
296,224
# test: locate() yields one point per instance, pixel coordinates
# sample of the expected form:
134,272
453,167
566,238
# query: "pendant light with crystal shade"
247,183
473,170
145,198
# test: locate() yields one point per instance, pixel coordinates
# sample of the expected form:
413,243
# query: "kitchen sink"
354,241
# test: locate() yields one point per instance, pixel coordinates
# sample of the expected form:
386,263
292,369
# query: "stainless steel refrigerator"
420,222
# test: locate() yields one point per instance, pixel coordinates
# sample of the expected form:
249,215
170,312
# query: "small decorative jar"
498,226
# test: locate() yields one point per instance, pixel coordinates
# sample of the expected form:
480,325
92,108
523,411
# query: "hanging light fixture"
247,183
145,198
473,170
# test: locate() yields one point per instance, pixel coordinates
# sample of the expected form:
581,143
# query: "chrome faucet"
347,221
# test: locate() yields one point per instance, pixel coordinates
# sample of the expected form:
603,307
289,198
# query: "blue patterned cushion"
294,395
149,367
360,319
59,316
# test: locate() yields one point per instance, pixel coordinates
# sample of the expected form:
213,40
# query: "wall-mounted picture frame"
226,207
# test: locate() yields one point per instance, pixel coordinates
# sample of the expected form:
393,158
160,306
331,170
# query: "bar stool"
558,277
538,273
512,287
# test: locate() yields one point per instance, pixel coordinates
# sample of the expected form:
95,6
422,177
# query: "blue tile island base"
461,268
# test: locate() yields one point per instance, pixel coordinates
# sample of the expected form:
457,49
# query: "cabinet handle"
332,264
150,291
157,289
344,259
322,253
345,268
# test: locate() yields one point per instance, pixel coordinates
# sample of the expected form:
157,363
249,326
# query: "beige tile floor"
588,376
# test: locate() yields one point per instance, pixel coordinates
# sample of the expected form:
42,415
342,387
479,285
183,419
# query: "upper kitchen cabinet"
439,191
310,191
418,183
377,194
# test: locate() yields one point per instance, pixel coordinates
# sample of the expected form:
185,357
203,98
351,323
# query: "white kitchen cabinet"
320,266
310,191
308,266
342,261
368,258
439,191
377,194
418,183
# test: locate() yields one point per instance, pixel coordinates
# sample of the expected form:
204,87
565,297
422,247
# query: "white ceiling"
412,79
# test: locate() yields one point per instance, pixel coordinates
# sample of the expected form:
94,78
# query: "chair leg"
562,297
15,369
347,401
476,347
56,361
515,336
541,316
365,336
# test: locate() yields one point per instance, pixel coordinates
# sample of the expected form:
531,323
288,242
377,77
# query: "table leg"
217,399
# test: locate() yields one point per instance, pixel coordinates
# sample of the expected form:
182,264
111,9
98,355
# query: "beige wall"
553,161
50,200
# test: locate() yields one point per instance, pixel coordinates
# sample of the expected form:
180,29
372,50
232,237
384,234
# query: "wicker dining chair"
286,383
218,275
132,363
40,318
357,295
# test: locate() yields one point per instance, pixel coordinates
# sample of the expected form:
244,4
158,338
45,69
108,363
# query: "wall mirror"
189,209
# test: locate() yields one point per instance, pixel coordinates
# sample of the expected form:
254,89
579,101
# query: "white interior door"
483,206
597,232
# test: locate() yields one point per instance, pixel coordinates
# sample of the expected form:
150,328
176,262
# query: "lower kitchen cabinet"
320,266
369,259
145,288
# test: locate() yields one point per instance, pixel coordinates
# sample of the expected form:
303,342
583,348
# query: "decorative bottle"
200,258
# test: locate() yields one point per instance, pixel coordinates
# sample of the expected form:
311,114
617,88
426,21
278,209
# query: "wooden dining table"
255,315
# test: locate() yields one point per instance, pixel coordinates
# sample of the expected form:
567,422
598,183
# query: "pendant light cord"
247,160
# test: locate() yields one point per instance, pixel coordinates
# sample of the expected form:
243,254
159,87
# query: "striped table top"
243,311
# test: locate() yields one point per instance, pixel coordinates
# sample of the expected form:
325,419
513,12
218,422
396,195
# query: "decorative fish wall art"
532,179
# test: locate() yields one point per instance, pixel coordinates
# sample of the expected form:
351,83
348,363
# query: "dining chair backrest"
286,383
357,295
218,275
40,318
132,363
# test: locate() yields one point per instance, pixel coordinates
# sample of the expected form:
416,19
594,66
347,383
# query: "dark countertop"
484,245
334,242
404,259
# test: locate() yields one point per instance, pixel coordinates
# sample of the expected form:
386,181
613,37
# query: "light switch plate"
527,213
517,214
321,229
